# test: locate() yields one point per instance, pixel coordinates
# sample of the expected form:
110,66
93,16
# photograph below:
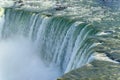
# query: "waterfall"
19,59
64,42
1,25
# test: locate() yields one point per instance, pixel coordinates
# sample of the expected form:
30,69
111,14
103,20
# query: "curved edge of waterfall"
68,43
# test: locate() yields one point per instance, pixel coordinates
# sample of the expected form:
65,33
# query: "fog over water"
19,60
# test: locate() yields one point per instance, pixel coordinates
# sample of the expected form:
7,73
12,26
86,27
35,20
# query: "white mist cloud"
20,61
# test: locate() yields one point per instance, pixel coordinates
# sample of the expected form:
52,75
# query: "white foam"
102,57
6,3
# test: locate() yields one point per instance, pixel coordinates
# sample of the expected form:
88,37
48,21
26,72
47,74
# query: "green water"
67,38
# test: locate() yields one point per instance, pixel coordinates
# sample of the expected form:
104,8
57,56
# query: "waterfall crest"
65,42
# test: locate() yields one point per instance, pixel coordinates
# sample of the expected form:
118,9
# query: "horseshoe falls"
48,45
34,45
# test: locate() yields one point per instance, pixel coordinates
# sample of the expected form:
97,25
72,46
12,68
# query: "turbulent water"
37,47
41,46
19,60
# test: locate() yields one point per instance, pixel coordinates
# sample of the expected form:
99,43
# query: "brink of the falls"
41,42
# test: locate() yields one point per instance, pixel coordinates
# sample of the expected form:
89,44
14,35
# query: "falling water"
35,46
19,60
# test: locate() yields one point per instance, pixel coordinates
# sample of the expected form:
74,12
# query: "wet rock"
97,70
114,56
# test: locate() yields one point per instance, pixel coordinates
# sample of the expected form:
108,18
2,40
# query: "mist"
19,60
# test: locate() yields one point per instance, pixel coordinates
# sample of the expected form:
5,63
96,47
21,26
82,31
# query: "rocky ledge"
96,70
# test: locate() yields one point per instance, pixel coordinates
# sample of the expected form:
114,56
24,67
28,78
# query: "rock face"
97,70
